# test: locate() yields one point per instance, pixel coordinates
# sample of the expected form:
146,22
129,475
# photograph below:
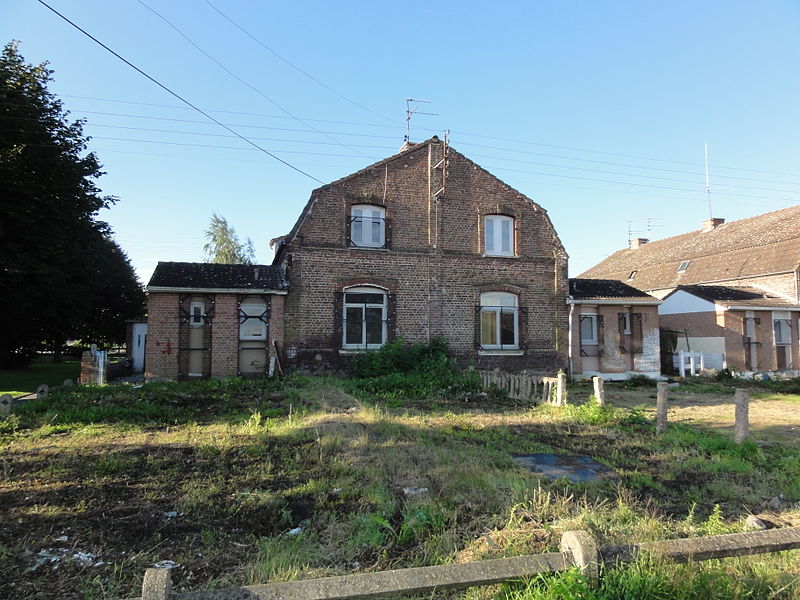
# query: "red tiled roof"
760,245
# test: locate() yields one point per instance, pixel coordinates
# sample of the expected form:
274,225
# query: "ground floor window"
499,321
364,318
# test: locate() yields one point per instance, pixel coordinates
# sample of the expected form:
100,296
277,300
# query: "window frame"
247,318
363,220
201,305
363,289
494,223
593,319
778,324
498,310
683,266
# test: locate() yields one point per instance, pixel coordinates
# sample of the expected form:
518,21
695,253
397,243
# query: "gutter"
626,302
196,290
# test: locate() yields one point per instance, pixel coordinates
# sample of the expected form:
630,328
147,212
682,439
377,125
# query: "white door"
137,352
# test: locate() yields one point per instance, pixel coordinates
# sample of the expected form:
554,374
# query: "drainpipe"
569,332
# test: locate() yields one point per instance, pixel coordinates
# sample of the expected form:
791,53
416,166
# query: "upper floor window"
683,266
364,318
367,226
498,235
499,321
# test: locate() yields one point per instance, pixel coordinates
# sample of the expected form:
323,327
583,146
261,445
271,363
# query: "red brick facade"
434,268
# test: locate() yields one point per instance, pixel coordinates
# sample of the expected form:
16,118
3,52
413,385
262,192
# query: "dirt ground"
772,419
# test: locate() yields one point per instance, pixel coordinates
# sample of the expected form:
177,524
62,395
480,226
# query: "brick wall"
163,346
434,267
612,359
161,351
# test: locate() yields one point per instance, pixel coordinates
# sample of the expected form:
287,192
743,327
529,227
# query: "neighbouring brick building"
614,330
730,290
422,244
425,243
210,320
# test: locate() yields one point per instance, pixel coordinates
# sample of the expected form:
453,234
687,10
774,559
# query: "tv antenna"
643,226
413,110
708,185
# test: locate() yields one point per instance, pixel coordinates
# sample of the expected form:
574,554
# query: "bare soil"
773,419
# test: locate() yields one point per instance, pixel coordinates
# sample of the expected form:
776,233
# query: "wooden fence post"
561,394
661,406
741,399
5,404
599,390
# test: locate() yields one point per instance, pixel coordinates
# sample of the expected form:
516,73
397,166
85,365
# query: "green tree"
223,245
50,238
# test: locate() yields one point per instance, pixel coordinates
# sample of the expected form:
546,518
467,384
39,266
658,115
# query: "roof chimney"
712,223
638,243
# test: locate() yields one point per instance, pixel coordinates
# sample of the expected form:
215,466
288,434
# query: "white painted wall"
684,302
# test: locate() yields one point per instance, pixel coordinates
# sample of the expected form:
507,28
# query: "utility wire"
235,76
295,67
473,145
175,94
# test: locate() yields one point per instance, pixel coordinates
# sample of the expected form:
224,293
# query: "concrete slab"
577,469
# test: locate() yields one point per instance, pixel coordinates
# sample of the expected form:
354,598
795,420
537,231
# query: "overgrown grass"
249,481
41,370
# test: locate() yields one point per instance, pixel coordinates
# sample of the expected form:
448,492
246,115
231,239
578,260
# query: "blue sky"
598,111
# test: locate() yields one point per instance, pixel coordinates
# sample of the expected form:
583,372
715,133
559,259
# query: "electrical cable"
175,94
235,76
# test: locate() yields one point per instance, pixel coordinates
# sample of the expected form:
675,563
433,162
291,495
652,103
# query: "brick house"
210,320
748,315
737,327
424,243
614,330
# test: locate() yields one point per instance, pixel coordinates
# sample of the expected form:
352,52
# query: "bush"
637,381
412,371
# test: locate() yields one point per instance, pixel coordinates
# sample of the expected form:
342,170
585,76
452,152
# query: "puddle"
577,469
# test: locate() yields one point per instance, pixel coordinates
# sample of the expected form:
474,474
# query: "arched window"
498,235
367,226
364,318
499,321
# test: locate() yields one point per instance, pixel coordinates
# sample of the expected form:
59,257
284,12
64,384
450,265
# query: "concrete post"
562,389
599,390
5,404
583,549
156,585
692,364
661,406
741,399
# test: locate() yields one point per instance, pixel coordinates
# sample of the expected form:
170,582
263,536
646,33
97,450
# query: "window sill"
501,352
369,248
499,255
346,351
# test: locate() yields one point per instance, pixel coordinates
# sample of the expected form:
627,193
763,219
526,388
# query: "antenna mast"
708,185
410,111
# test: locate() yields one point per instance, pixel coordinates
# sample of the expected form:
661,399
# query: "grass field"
242,482
42,370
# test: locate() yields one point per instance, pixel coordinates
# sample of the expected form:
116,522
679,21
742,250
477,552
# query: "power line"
292,65
235,76
175,94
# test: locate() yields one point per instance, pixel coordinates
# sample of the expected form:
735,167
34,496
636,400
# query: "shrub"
412,371
637,381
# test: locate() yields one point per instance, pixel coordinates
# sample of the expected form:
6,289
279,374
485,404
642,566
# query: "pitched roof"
607,289
764,244
210,276
737,296
407,149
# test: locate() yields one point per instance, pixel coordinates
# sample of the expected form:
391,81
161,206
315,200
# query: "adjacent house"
614,330
737,327
425,243
422,244
209,320
746,319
